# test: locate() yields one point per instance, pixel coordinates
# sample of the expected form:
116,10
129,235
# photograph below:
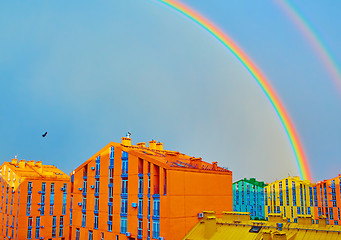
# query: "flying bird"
44,135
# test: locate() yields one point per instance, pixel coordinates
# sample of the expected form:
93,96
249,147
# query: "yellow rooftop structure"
17,171
237,225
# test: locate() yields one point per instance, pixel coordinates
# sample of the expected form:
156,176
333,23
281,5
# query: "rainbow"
257,75
316,42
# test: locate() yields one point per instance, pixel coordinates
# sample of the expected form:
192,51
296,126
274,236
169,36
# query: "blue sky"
88,73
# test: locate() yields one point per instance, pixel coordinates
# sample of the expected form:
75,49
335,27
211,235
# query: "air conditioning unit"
200,215
62,189
92,186
42,226
128,234
161,238
40,192
80,189
134,205
79,204
92,168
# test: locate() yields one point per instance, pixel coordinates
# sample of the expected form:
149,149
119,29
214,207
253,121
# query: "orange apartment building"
327,200
138,192
33,202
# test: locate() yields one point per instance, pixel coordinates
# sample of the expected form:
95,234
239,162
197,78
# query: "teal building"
248,196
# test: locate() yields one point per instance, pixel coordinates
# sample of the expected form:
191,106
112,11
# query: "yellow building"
237,225
290,197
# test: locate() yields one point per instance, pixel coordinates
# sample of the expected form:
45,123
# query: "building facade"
34,201
327,200
290,197
139,192
248,196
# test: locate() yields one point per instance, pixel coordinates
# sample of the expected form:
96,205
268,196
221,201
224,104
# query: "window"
29,230
287,190
84,186
29,187
110,211
77,233
280,194
112,156
315,196
84,203
156,207
83,219
28,210
52,199
54,226
124,186
124,206
98,166
37,227
64,199
298,210
140,185
96,203
293,193
124,225
110,194
61,225
97,186
90,235
124,162
96,221
140,228
331,213
140,208
156,229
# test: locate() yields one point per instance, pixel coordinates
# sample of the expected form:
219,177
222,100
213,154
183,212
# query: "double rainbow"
257,75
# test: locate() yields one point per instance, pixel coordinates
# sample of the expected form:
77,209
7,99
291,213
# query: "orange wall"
189,192
46,219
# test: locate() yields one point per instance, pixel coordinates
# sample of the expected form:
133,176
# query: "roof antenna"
128,134
16,156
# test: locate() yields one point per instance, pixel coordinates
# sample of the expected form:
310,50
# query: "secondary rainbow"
257,75
313,38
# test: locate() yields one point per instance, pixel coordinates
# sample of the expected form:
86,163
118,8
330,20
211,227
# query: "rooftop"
32,169
237,225
165,158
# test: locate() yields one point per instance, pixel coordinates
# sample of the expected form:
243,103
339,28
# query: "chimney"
304,220
275,217
196,162
215,165
208,214
159,146
40,166
267,235
210,227
322,221
126,141
14,161
141,144
152,144
30,163
22,164
279,235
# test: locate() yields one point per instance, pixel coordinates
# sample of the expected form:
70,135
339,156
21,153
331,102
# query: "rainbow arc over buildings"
256,74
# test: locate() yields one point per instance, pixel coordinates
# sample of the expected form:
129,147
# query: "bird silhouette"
44,135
